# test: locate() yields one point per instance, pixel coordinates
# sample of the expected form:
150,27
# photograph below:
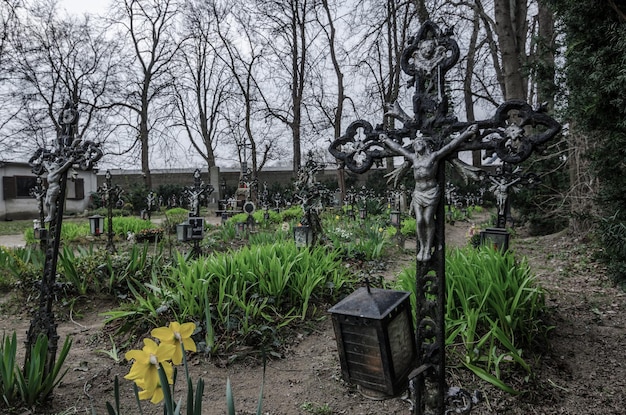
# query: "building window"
23,184
18,187
76,189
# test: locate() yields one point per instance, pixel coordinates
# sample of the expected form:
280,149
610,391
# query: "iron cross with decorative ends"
196,192
501,185
67,154
426,140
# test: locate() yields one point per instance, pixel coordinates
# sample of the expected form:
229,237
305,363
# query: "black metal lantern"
183,232
362,213
496,238
39,232
374,333
96,225
303,236
394,216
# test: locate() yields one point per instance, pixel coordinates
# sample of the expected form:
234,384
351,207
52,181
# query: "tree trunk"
467,86
510,17
144,137
583,187
546,87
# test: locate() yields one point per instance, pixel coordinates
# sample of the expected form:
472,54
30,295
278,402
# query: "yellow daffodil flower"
176,334
155,395
144,370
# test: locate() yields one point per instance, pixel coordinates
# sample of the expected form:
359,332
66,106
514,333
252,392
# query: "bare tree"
241,50
332,111
512,30
55,60
204,83
286,26
387,30
543,50
150,27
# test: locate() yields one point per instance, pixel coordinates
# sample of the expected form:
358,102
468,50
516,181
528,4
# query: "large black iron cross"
427,139
67,154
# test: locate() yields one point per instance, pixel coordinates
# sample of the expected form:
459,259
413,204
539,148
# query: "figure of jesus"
55,170
427,193
500,189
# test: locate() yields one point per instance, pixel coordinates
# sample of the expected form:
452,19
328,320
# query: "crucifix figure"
500,189
427,193
502,183
426,140
196,192
55,169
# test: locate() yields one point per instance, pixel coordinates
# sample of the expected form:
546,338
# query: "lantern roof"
372,303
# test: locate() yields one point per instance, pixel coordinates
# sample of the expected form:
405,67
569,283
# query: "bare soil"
581,371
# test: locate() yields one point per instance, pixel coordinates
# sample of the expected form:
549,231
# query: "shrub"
173,217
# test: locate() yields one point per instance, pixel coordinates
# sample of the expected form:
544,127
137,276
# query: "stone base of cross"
427,140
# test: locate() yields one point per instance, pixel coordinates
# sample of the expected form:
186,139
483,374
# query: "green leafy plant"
173,217
124,224
113,352
149,235
32,386
79,266
317,409
8,373
23,265
409,226
292,213
494,311
251,292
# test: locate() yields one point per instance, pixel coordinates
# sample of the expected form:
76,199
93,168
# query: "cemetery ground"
581,369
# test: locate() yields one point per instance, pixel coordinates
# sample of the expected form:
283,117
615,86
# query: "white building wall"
27,207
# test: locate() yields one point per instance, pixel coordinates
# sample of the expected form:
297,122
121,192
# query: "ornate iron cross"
426,140
67,154
196,193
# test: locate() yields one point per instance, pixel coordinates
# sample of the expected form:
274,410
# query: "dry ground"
583,369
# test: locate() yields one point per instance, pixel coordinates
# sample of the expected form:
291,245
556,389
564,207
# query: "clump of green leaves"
20,265
494,311
173,217
250,293
31,385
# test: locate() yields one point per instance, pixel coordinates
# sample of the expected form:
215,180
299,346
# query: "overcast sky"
84,6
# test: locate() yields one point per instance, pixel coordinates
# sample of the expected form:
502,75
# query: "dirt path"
12,241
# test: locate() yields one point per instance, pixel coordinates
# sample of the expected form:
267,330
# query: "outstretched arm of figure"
513,182
470,132
62,168
494,181
395,146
